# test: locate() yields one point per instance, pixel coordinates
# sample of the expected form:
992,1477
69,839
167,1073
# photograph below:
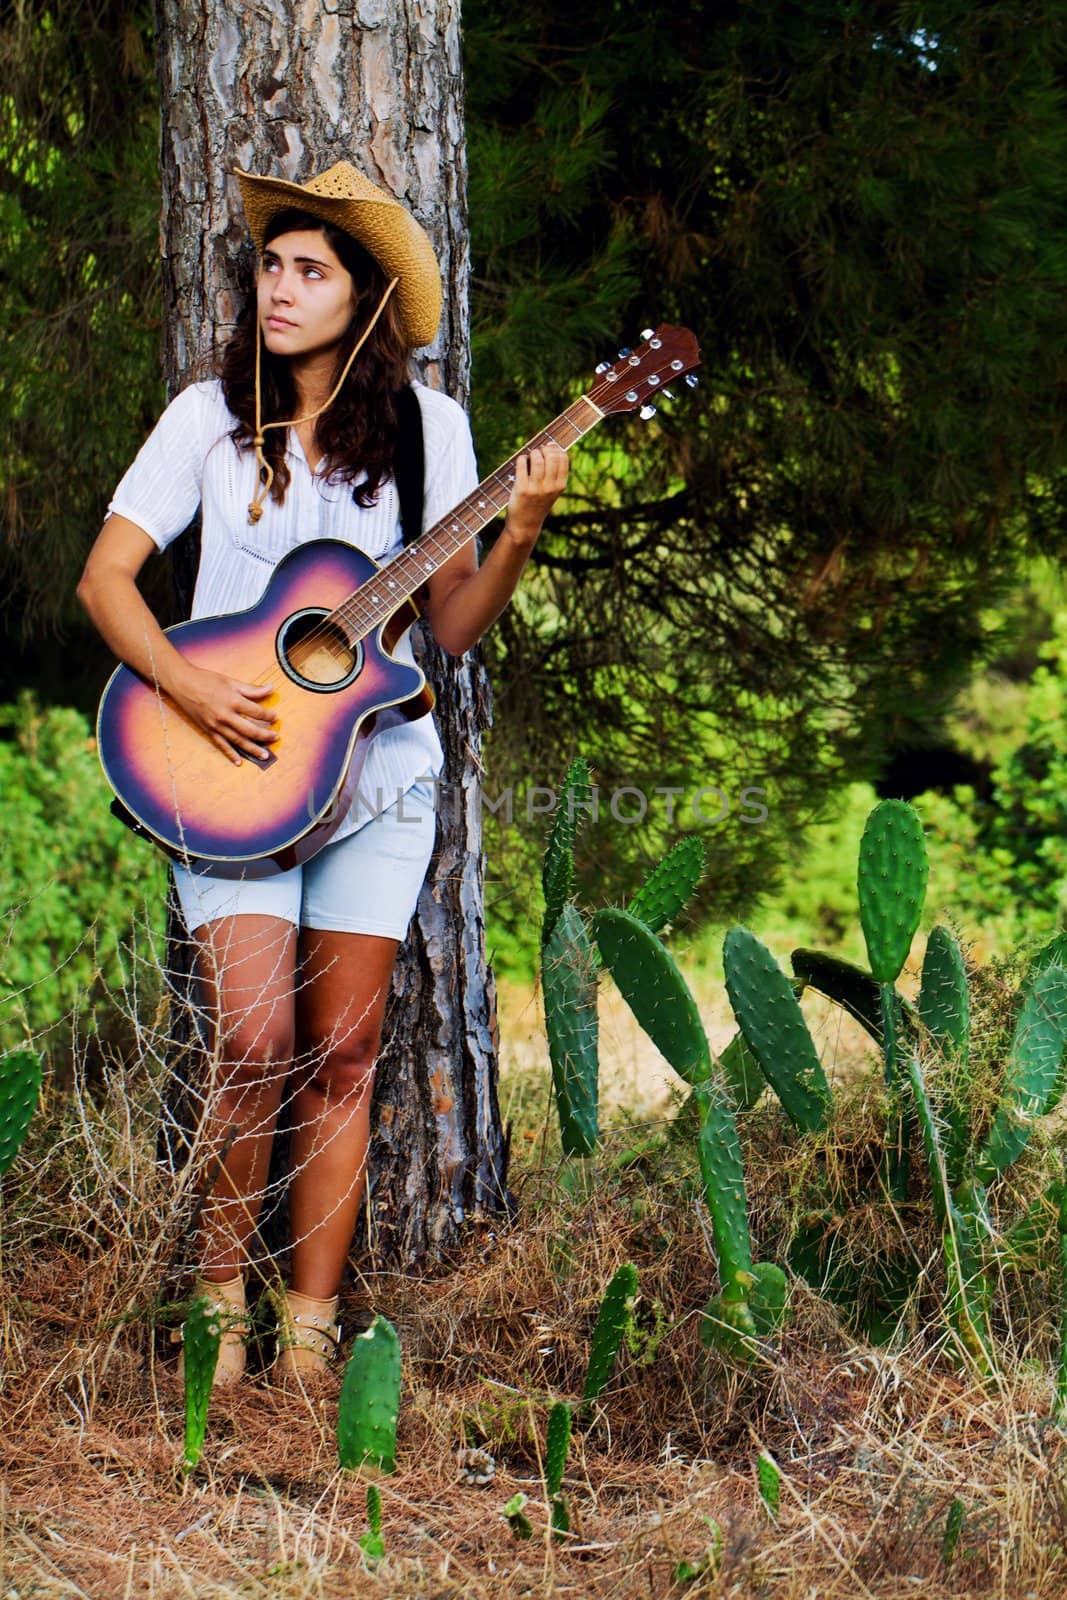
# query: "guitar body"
330,698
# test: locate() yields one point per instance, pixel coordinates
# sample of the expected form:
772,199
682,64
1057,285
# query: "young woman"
294,441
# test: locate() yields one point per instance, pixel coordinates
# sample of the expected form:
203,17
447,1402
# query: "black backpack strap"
409,463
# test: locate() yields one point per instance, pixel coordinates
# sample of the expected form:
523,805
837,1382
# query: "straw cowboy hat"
344,197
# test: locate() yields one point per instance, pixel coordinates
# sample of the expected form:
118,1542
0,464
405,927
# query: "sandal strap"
309,1330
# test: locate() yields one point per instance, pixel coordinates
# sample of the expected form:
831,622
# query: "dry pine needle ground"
873,1444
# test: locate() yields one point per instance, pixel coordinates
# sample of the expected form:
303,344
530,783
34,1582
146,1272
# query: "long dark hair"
357,433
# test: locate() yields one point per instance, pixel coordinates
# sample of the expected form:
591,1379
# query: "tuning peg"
646,333
691,380
625,351
667,395
646,412
603,366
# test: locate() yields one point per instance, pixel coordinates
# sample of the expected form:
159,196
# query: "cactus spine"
774,1028
668,886
568,980
201,1336
20,1087
613,1319
370,1401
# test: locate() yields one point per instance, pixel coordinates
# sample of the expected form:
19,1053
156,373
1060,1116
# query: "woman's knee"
343,1074
255,1058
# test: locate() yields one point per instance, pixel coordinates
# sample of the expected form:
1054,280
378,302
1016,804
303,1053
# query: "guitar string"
361,608
365,611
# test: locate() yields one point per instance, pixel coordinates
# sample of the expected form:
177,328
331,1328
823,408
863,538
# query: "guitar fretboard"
376,601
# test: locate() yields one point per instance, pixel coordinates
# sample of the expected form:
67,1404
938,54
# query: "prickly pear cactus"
1053,954
769,1479
721,1167
615,1316
741,1072
668,887
945,1010
648,979
557,873
773,1025
944,1000
967,1288
201,1335
1033,1078
735,1327
892,885
370,1401
568,981
20,1086
851,988
372,1544
557,1445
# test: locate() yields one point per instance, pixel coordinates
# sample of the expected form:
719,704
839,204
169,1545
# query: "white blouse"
188,460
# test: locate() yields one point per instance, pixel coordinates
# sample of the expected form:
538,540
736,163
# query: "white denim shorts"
367,882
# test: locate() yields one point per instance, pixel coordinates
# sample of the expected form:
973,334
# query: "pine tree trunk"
287,88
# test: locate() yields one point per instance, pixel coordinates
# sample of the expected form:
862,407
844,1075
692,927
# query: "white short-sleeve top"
189,461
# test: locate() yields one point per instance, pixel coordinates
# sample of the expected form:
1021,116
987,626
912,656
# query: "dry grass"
873,1444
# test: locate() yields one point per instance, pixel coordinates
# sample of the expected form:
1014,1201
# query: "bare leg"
345,979
246,965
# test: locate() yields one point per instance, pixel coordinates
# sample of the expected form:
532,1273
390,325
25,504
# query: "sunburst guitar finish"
331,693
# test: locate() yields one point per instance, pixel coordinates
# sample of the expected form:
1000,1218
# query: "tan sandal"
228,1301
308,1340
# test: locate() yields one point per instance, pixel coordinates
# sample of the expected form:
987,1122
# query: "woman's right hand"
230,712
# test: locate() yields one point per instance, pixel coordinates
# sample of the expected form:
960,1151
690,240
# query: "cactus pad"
648,979
724,1186
568,981
20,1086
892,885
773,1025
370,1401
1033,1073
200,1336
557,872
668,886
740,1070
849,987
557,1445
944,1002
615,1315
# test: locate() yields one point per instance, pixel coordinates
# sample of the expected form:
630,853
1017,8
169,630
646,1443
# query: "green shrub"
73,880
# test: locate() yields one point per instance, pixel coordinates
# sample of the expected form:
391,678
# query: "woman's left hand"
540,478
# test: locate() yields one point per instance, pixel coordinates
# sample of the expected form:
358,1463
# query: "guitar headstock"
641,374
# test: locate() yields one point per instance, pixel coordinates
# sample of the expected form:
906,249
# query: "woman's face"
305,296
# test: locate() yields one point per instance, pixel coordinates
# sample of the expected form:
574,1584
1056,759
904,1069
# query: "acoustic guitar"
323,634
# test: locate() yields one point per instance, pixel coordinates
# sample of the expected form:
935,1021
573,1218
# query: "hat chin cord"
266,471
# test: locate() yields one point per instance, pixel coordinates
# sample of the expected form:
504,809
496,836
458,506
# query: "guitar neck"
376,601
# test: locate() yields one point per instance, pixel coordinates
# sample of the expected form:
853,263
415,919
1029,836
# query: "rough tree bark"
287,88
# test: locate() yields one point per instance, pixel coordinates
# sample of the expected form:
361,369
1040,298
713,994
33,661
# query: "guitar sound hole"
315,653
